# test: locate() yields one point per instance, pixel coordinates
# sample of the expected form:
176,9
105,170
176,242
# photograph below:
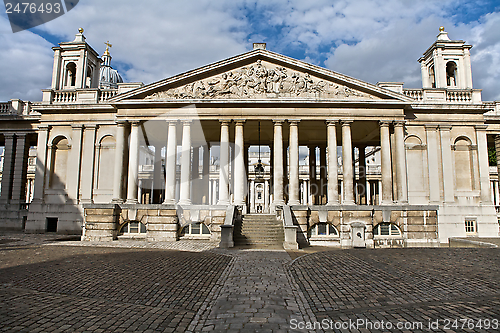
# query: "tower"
446,64
76,65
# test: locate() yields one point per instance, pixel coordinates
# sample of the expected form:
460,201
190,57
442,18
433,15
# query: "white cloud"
377,40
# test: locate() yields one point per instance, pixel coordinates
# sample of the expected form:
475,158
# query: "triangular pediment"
261,75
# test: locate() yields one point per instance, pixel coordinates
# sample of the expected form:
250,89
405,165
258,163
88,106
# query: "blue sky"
372,40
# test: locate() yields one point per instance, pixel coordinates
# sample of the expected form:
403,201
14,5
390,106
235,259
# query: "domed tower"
108,77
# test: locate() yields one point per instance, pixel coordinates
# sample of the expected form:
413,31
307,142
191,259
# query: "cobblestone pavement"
408,286
54,288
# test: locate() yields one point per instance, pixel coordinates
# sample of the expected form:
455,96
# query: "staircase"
259,230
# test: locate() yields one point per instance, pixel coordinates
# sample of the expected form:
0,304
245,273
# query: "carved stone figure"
260,80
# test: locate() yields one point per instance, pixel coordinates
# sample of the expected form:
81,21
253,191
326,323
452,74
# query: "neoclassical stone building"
333,159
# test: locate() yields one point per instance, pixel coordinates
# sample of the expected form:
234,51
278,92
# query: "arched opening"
195,230
432,77
132,228
386,230
59,163
463,164
71,74
323,230
88,79
451,74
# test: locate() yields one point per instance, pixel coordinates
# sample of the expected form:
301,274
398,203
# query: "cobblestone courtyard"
48,286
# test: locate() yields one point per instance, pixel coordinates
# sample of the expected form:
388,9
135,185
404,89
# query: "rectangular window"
470,227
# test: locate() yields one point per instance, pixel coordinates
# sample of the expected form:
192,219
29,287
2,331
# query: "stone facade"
360,165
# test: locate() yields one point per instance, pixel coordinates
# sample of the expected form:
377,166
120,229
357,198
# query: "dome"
108,77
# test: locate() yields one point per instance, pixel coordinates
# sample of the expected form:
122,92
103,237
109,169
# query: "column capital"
278,122
186,121
90,126
225,122
121,122
346,122
384,123
239,122
135,122
445,127
399,123
332,122
481,127
294,122
77,126
172,122
43,127
9,135
431,127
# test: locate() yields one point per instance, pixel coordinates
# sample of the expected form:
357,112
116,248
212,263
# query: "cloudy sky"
372,40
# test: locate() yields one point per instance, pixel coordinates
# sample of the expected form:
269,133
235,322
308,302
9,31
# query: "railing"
290,230
64,97
226,237
5,107
459,96
417,94
104,95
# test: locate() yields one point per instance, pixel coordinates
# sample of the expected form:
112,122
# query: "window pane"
376,231
195,229
331,230
384,230
143,228
322,229
134,227
394,230
205,230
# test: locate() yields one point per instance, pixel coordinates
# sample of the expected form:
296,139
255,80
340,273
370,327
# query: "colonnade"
220,192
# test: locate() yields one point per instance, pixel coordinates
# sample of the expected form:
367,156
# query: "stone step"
257,229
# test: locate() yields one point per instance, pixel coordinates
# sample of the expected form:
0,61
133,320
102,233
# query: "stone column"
278,163
206,175
239,164
497,152
252,196
224,163
402,182
171,163
195,175
368,192
20,172
312,174
41,162
447,163
433,162
185,194
322,175
266,195
293,188
385,146
157,176
74,159
119,154
348,172
133,164
214,193
88,162
484,171
333,191
362,175
8,168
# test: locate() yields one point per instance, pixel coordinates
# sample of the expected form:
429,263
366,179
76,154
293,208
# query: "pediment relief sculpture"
261,81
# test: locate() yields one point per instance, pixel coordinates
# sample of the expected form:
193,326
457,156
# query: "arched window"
464,178
451,74
386,229
432,77
88,80
323,229
71,74
195,229
133,228
59,163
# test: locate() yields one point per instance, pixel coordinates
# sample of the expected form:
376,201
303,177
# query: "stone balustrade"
461,96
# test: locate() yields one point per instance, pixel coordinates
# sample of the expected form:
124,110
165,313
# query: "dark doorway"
51,224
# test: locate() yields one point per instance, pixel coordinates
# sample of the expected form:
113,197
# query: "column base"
223,202
169,202
132,201
185,202
117,200
294,203
350,203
